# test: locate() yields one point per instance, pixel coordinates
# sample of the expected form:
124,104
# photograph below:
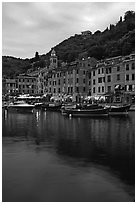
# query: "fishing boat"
52,106
90,111
119,109
20,106
38,105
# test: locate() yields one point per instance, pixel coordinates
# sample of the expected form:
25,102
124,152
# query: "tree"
36,56
129,15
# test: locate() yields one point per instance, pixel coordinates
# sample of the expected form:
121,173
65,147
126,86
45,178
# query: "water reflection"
107,142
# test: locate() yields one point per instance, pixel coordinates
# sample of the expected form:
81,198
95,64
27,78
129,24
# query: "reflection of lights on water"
37,116
6,114
45,114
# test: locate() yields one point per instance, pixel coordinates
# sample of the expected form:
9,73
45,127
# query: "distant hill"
115,40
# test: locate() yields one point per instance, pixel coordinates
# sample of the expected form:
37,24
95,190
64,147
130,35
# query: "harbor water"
49,157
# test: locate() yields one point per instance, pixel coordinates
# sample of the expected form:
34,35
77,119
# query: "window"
118,99
130,87
77,71
102,70
84,89
98,71
94,90
109,78
118,68
71,89
89,83
127,66
127,77
59,82
84,72
98,89
100,80
77,80
109,88
89,75
58,90
77,89
94,73
102,88
64,81
94,81
133,65
54,60
118,77
84,81
133,76
109,69
103,79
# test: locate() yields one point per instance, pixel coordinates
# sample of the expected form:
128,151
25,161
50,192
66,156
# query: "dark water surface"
49,157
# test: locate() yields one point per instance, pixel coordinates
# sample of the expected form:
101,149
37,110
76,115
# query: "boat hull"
49,107
86,113
21,109
122,110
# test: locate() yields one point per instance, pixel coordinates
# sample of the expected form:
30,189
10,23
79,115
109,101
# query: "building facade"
78,79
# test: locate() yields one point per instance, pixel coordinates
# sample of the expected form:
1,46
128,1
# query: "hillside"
115,40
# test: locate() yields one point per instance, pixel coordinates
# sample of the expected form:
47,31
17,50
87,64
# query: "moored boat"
90,112
20,106
119,109
38,105
51,106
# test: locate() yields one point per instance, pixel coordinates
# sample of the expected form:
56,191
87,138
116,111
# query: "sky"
28,27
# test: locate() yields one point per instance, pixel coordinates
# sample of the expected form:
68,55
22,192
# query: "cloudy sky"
28,27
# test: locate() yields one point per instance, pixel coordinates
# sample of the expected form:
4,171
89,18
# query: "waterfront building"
97,84
11,86
79,79
71,79
27,84
129,67
3,86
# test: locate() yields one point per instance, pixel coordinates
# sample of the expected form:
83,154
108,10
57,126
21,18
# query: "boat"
38,105
87,111
119,109
21,107
51,106
132,108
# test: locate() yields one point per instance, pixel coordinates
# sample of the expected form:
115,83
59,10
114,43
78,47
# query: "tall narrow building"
53,60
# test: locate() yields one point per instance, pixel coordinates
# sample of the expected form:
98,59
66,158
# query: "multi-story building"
11,86
71,79
26,84
78,79
129,67
3,86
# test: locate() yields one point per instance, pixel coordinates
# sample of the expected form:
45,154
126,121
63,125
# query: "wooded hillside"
115,40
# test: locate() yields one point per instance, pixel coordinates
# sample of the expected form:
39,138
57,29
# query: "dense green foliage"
116,40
